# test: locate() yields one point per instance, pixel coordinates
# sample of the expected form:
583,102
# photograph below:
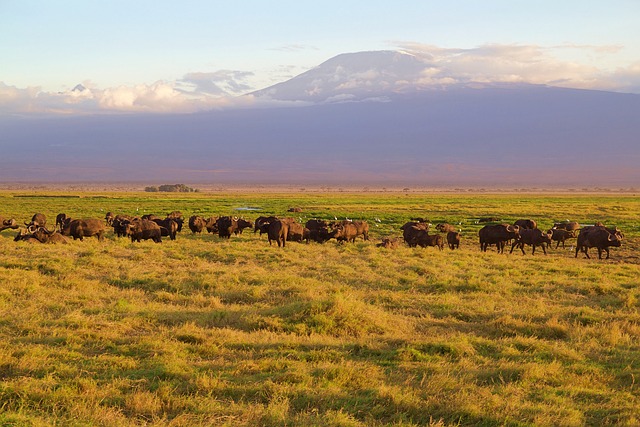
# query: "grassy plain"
201,331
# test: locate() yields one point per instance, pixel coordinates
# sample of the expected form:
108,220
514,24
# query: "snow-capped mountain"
352,76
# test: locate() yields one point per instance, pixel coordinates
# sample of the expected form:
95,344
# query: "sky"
162,56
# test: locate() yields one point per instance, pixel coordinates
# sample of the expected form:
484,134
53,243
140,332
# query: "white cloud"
519,64
195,92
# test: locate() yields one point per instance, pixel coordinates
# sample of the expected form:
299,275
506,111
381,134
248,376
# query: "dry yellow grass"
202,331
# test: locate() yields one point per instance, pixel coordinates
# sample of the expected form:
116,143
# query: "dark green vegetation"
201,331
170,188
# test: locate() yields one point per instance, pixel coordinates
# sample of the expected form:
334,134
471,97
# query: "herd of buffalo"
415,233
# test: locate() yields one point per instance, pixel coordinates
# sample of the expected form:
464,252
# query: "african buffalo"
197,224
168,227
108,218
38,220
25,236
227,226
453,240
178,218
410,232
211,224
423,239
526,224
363,229
60,219
420,224
498,235
599,237
532,237
488,219
345,232
262,224
81,228
119,224
8,223
567,225
561,235
242,224
278,231
53,237
297,232
443,227
389,243
143,229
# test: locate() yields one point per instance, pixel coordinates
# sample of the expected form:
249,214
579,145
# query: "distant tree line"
171,188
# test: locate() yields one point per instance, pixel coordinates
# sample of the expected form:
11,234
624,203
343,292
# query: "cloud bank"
522,64
434,67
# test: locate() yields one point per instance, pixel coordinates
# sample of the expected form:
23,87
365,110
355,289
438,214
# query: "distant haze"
362,125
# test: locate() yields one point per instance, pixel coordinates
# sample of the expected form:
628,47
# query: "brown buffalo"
533,237
108,218
498,234
561,235
278,231
423,239
37,220
488,219
168,227
178,218
345,231
197,224
443,227
526,224
420,224
389,243
52,237
242,224
297,232
453,240
211,224
599,237
567,225
81,228
143,229
8,223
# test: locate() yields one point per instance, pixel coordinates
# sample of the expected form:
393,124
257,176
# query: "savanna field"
209,332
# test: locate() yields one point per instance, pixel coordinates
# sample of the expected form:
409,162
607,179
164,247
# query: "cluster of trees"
171,188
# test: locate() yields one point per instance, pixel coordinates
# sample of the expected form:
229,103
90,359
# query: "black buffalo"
599,237
533,237
498,234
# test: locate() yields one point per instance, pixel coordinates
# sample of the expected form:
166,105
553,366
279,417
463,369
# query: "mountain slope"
516,136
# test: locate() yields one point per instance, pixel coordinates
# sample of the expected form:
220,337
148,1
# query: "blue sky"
47,47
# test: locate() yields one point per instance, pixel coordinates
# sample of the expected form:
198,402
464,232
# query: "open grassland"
201,331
